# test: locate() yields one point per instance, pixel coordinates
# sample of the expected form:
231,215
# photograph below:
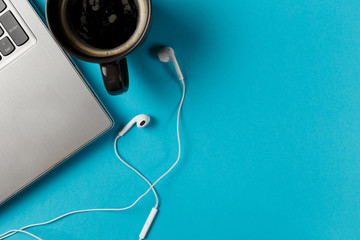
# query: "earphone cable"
28,233
12,232
136,171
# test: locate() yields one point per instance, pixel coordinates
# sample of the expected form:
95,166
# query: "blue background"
270,130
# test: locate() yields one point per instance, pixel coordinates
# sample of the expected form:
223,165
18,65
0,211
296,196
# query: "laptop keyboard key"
2,6
6,47
12,26
1,32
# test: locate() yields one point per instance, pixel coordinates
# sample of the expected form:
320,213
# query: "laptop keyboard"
14,35
2,6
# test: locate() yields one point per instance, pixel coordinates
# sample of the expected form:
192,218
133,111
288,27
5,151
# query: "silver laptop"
47,111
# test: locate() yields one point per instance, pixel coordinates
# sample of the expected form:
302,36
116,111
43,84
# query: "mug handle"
116,77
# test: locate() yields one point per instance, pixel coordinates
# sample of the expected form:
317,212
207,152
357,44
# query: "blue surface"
270,130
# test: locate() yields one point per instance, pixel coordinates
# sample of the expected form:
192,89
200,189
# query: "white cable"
30,234
136,171
12,232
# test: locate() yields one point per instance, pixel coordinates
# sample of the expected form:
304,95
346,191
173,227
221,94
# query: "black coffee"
103,24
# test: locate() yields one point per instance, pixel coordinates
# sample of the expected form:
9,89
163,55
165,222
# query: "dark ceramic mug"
101,31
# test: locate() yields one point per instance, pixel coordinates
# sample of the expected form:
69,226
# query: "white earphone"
165,55
141,120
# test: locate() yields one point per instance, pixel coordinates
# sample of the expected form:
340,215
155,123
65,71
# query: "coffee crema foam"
104,27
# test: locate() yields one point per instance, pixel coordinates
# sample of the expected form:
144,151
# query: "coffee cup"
101,31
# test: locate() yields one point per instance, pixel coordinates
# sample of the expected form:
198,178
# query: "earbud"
141,121
167,54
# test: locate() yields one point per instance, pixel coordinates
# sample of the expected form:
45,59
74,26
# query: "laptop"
47,110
